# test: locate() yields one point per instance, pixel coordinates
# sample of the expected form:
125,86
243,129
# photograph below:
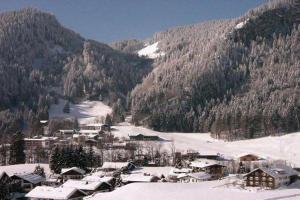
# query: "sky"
113,20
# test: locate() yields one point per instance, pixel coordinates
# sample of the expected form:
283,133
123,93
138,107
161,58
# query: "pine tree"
66,108
55,161
17,155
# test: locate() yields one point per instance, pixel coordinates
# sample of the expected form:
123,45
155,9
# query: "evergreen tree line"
71,156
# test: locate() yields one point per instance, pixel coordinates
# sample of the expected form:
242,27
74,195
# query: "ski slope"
280,147
85,112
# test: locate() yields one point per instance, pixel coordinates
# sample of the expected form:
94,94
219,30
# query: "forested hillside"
40,60
237,78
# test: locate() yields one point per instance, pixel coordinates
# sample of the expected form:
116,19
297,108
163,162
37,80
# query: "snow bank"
150,51
191,191
86,111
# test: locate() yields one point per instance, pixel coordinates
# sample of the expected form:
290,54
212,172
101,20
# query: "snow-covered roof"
67,131
137,177
198,175
97,178
83,185
114,165
32,178
202,163
65,170
46,192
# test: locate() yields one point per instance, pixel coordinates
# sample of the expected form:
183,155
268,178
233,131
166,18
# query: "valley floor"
276,147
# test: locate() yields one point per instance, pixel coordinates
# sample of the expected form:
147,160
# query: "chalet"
139,178
71,173
194,177
112,166
28,181
141,137
89,187
269,177
59,193
209,166
249,157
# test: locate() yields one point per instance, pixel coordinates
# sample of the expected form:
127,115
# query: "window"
264,174
251,183
250,178
256,183
270,179
256,178
264,178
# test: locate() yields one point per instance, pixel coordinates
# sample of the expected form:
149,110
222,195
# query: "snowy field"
23,169
86,111
212,190
280,147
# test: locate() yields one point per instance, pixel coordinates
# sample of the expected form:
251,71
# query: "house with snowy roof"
270,177
27,181
72,173
194,177
112,166
58,193
88,187
211,167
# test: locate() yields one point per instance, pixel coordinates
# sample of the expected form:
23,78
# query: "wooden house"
89,187
27,181
55,193
211,167
141,137
249,157
269,177
71,173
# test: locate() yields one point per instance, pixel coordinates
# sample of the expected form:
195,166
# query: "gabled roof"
2,173
76,169
97,178
276,172
46,192
83,185
31,178
203,163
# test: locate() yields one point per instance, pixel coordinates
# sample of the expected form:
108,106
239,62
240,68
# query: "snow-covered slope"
212,190
281,147
86,111
241,24
151,51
